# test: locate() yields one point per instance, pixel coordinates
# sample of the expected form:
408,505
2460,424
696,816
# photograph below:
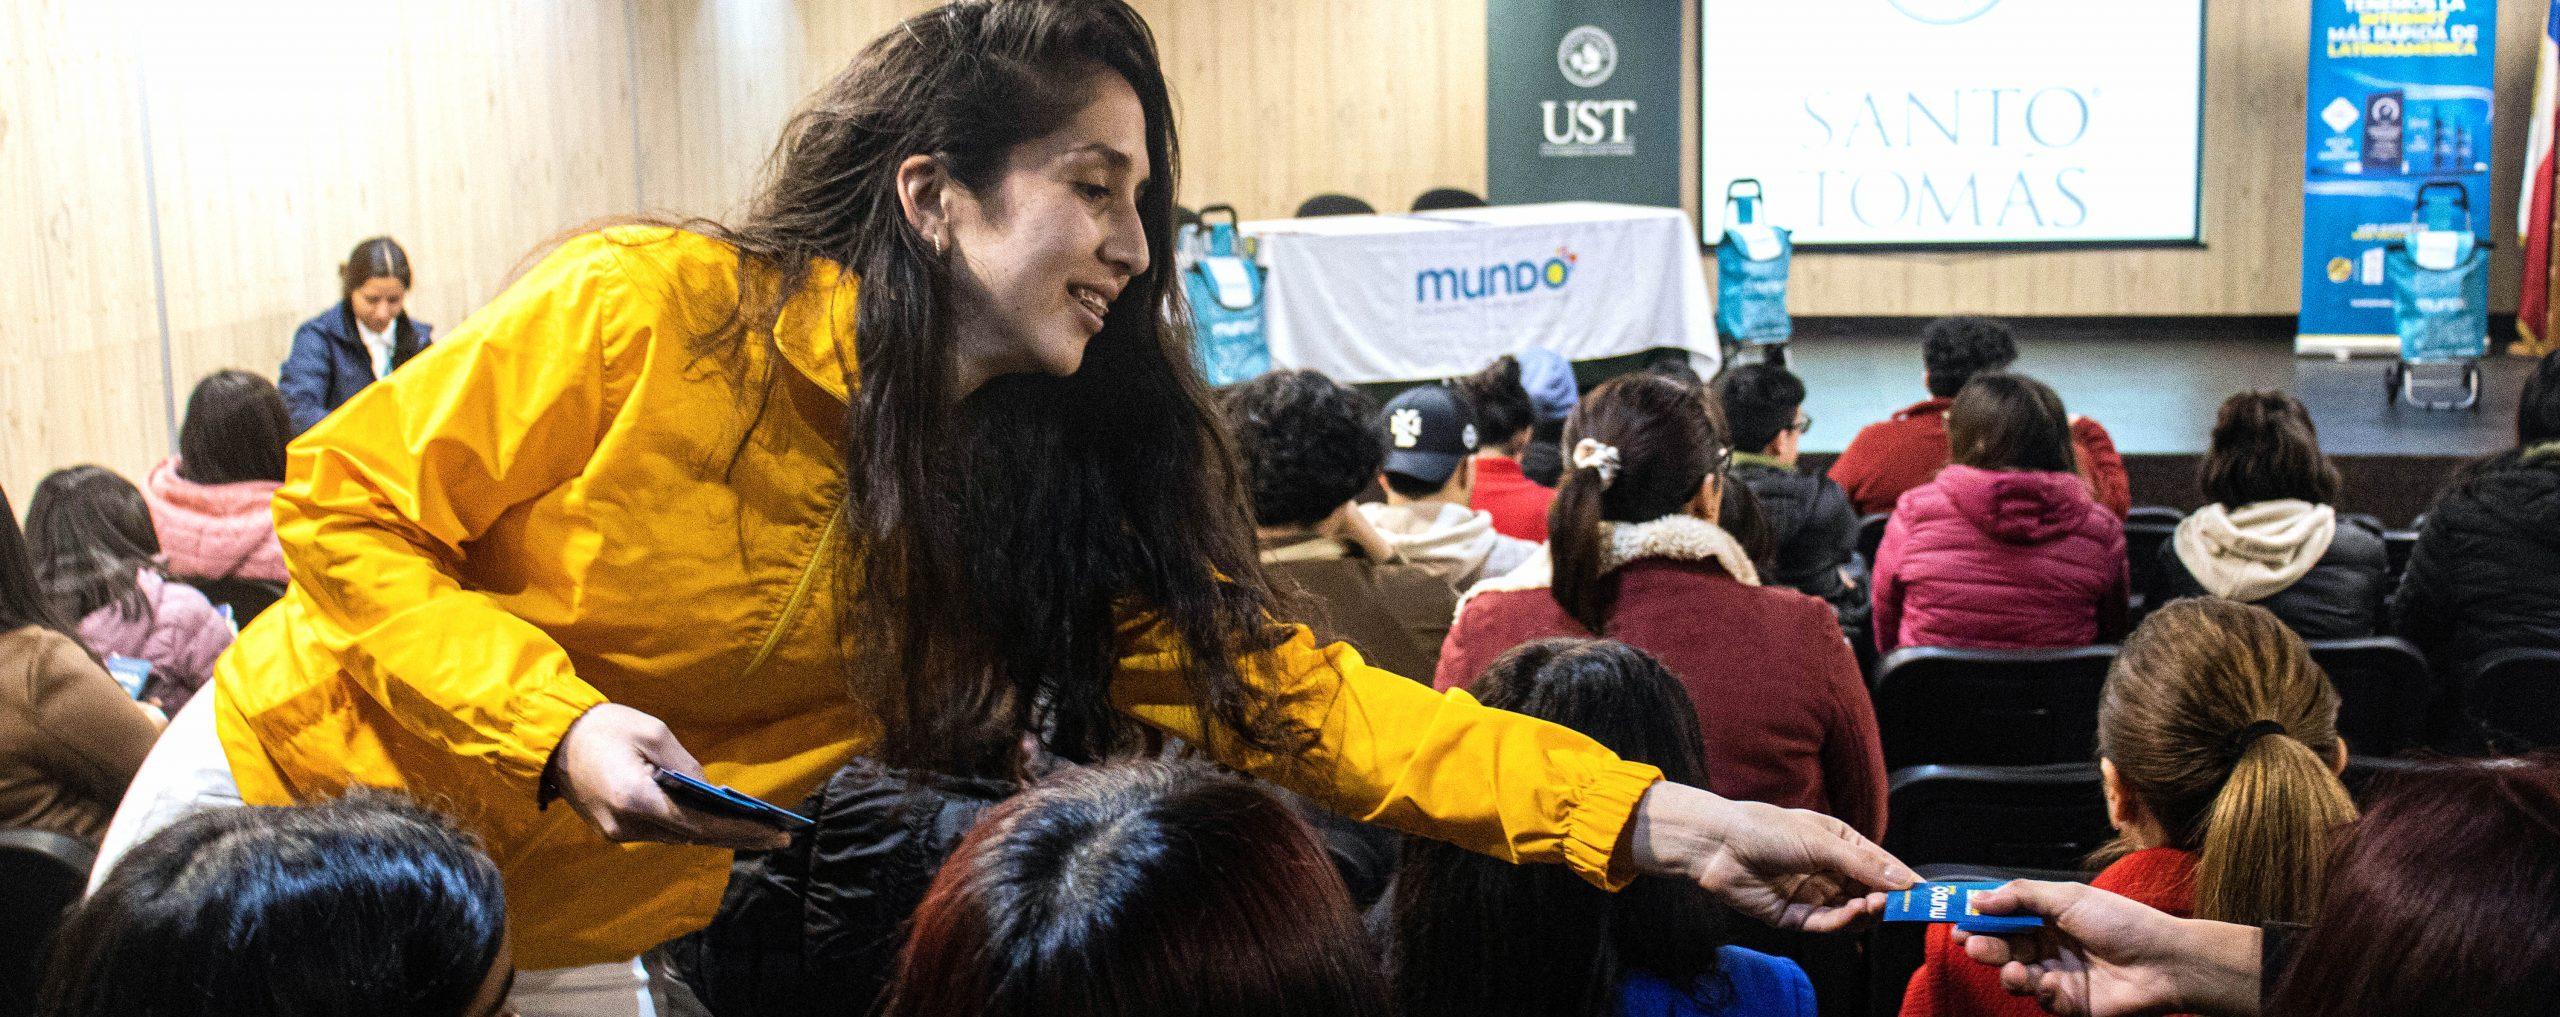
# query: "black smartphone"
722,801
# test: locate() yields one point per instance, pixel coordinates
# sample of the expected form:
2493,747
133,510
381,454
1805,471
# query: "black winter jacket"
2340,598
1814,528
814,928
2486,571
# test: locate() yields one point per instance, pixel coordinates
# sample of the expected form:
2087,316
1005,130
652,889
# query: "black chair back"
2383,690
1871,535
245,597
2514,695
1990,707
1334,204
2396,546
2038,817
2153,514
1439,198
2143,539
42,873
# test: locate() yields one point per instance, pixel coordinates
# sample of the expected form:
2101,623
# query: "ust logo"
1494,280
1587,56
1943,12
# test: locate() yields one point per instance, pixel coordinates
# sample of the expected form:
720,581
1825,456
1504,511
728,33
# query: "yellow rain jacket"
539,514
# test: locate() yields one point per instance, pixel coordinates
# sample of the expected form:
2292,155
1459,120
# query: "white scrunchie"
1592,454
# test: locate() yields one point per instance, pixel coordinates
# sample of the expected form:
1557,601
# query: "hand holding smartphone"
703,796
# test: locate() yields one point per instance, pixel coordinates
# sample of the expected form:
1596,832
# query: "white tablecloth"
1370,298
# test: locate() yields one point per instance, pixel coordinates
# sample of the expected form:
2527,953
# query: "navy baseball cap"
1430,430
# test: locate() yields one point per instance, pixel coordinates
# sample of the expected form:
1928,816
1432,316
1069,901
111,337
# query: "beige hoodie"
2255,551
1455,542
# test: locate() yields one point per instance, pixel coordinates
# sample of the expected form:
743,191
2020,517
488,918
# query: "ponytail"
2264,844
1652,442
2219,723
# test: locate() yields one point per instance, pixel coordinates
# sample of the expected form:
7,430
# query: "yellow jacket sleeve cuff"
1596,820
542,719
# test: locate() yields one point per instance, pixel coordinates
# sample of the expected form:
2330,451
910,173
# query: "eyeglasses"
1804,423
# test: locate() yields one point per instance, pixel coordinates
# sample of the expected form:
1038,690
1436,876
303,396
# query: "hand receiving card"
1953,902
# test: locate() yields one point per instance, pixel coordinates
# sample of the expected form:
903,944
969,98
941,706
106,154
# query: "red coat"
1949,984
1518,504
1780,703
1890,457
2000,560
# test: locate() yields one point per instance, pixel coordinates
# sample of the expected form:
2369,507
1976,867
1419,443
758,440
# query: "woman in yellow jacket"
619,521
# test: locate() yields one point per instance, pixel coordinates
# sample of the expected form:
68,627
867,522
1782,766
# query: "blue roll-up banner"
2399,94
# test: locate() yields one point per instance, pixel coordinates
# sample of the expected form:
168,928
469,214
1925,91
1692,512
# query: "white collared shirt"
379,344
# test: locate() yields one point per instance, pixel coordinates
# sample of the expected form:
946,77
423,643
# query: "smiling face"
377,302
1040,257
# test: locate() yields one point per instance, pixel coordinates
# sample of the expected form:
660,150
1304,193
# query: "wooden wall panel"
79,340
286,131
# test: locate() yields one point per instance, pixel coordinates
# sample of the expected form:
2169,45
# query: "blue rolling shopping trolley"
2439,278
1751,278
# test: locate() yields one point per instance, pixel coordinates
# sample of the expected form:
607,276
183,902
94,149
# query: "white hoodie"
2255,551
1452,541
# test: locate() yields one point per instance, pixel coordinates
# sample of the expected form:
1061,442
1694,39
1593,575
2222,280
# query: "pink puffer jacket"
214,531
2000,560
180,635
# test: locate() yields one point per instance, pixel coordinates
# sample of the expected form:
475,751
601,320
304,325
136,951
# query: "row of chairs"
1944,705
1431,200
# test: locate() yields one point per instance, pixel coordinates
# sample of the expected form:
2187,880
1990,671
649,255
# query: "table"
1381,298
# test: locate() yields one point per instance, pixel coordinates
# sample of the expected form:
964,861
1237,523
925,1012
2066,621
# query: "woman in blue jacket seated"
1469,936
365,336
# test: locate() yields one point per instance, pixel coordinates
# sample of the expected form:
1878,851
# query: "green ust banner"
1582,101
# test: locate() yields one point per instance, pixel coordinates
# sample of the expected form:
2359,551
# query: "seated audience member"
2005,549
2219,748
1307,450
1472,936
1810,520
1637,555
813,930
70,739
2485,574
99,559
1893,456
1138,890
1430,475
358,340
1548,378
2271,536
365,905
1503,417
2438,901
209,504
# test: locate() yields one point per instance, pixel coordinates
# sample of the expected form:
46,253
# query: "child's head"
1476,935
1155,889
90,533
2010,422
364,905
2217,728
236,430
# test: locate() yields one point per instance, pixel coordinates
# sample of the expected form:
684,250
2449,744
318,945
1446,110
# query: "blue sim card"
1953,902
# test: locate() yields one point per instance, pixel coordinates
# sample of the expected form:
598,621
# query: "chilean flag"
2533,307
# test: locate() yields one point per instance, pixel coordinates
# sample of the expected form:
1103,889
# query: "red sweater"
1518,504
1892,456
1784,713
1949,984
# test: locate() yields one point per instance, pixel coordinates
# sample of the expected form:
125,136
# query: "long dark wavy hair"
1480,937
997,544
90,534
22,598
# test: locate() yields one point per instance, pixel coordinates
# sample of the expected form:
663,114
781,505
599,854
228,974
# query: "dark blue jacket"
329,363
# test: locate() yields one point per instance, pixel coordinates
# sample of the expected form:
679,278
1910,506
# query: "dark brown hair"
2440,901
373,258
235,430
2010,422
1954,350
995,546
1149,889
2265,449
90,534
2256,804
1669,438
1481,937
22,598
1501,404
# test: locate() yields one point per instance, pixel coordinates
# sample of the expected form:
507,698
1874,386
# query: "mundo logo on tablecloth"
1494,280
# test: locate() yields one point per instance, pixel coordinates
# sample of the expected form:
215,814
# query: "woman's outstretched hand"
1790,868
2102,955
607,767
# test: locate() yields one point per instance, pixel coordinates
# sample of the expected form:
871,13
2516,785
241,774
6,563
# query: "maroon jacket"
2000,560
1889,457
1780,703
